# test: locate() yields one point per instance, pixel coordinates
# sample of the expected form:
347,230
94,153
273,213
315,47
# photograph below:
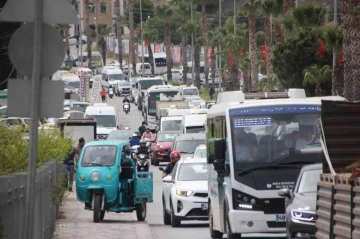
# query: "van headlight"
95,176
183,193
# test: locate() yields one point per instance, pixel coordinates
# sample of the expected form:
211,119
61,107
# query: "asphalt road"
189,229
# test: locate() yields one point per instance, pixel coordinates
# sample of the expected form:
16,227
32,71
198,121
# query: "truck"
77,128
339,186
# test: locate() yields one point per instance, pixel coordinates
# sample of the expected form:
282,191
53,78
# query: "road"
188,230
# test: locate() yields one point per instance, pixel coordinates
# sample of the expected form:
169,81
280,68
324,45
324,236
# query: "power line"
8,76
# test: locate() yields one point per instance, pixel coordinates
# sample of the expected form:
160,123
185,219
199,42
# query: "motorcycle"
126,107
142,164
133,151
111,93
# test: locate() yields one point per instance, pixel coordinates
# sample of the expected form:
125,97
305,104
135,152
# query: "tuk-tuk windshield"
99,155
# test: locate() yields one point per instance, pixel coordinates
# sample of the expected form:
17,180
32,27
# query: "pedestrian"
103,94
69,169
211,92
79,148
142,128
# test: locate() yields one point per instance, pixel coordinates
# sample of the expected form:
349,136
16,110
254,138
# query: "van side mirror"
219,149
284,192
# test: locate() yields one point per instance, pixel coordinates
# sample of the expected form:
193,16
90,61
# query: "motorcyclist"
174,157
147,134
126,100
143,149
134,141
138,134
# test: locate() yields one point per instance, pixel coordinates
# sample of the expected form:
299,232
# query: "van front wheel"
97,208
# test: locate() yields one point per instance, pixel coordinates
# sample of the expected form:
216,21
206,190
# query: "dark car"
161,146
186,144
300,203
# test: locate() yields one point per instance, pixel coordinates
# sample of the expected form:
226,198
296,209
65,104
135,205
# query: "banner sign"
96,90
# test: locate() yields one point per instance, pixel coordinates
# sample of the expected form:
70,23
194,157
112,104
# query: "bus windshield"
266,135
160,61
146,84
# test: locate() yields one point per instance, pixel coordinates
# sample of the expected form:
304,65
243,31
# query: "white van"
193,123
71,81
172,123
189,91
112,75
58,74
146,70
87,73
106,119
96,59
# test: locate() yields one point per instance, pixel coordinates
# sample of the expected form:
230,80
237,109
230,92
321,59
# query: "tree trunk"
184,58
279,33
247,81
318,90
87,28
197,51
151,58
205,40
132,36
103,49
119,30
287,6
253,56
213,65
234,82
268,45
338,79
167,37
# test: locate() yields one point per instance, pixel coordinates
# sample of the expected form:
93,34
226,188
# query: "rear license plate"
204,206
280,217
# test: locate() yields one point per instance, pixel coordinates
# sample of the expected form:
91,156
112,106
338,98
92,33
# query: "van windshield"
105,120
171,125
194,129
190,92
73,84
113,77
146,84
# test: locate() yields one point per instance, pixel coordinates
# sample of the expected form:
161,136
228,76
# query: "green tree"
148,10
194,27
316,75
102,32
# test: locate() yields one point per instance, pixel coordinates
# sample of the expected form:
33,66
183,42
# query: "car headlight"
95,176
303,215
183,193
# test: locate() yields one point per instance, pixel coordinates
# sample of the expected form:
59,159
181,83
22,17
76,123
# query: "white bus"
254,149
159,62
189,73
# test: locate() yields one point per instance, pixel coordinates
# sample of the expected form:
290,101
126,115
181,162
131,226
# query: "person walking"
69,169
211,92
103,94
78,149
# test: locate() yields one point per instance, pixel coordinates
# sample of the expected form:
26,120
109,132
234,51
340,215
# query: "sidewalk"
77,223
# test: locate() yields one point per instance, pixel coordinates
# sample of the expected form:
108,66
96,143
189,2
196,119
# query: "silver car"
301,203
123,88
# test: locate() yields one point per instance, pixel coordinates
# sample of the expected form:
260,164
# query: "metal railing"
13,199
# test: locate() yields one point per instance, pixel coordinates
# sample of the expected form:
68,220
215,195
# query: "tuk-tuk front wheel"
141,211
102,214
97,208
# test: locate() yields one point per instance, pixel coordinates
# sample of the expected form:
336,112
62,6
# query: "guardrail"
338,207
13,199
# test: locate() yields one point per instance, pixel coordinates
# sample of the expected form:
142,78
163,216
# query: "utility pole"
96,20
80,29
142,37
192,47
220,9
335,23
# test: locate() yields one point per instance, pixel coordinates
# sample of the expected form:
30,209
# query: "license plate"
204,206
280,217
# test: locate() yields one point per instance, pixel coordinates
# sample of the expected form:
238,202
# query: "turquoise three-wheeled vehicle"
107,180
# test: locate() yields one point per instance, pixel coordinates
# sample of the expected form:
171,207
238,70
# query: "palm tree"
102,32
252,8
316,76
119,30
87,31
277,12
164,11
215,39
150,36
267,7
132,36
194,28
333,39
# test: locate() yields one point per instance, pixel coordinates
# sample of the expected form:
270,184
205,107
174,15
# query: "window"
99,156
192,172
309,181
91,8
103,7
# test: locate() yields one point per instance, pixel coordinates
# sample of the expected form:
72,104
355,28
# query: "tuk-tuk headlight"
82,177
95,176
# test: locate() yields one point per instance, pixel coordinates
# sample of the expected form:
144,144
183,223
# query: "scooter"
126,107
111,93
142,164
133,151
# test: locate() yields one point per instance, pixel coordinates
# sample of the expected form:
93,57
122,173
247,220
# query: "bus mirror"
219,165
219,148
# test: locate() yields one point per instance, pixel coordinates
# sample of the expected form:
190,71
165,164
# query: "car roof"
202,146
192,160
105,143
190,136
169,132
315,166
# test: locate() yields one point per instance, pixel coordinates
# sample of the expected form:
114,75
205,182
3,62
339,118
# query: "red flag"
321,49
341,55
263,52
229,57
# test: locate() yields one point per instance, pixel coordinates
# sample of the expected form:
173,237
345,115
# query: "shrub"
15,148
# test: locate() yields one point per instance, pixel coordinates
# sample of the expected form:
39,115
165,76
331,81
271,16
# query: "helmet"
143,141
134,135
175,154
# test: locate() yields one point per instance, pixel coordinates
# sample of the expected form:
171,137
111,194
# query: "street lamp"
142,38
220,9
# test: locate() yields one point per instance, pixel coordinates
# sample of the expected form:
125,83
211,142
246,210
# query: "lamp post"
142,37
335,23
220,9
96,19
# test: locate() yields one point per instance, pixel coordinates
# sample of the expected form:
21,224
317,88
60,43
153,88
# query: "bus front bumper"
242,221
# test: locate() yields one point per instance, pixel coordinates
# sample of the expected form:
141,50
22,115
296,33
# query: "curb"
143,230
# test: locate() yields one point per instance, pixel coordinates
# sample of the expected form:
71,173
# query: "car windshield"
120,135
268,138
190,91
200,153
192,172
309,181
99,156
105,120
124,83
73,84
188,146
165,137
194,129
171,125
146,84
113,77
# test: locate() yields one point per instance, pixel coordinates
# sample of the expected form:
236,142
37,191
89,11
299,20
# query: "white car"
73,40
176,74
185,192
125,67
201,104
200,152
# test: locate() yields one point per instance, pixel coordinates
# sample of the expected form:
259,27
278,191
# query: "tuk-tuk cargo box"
144,187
